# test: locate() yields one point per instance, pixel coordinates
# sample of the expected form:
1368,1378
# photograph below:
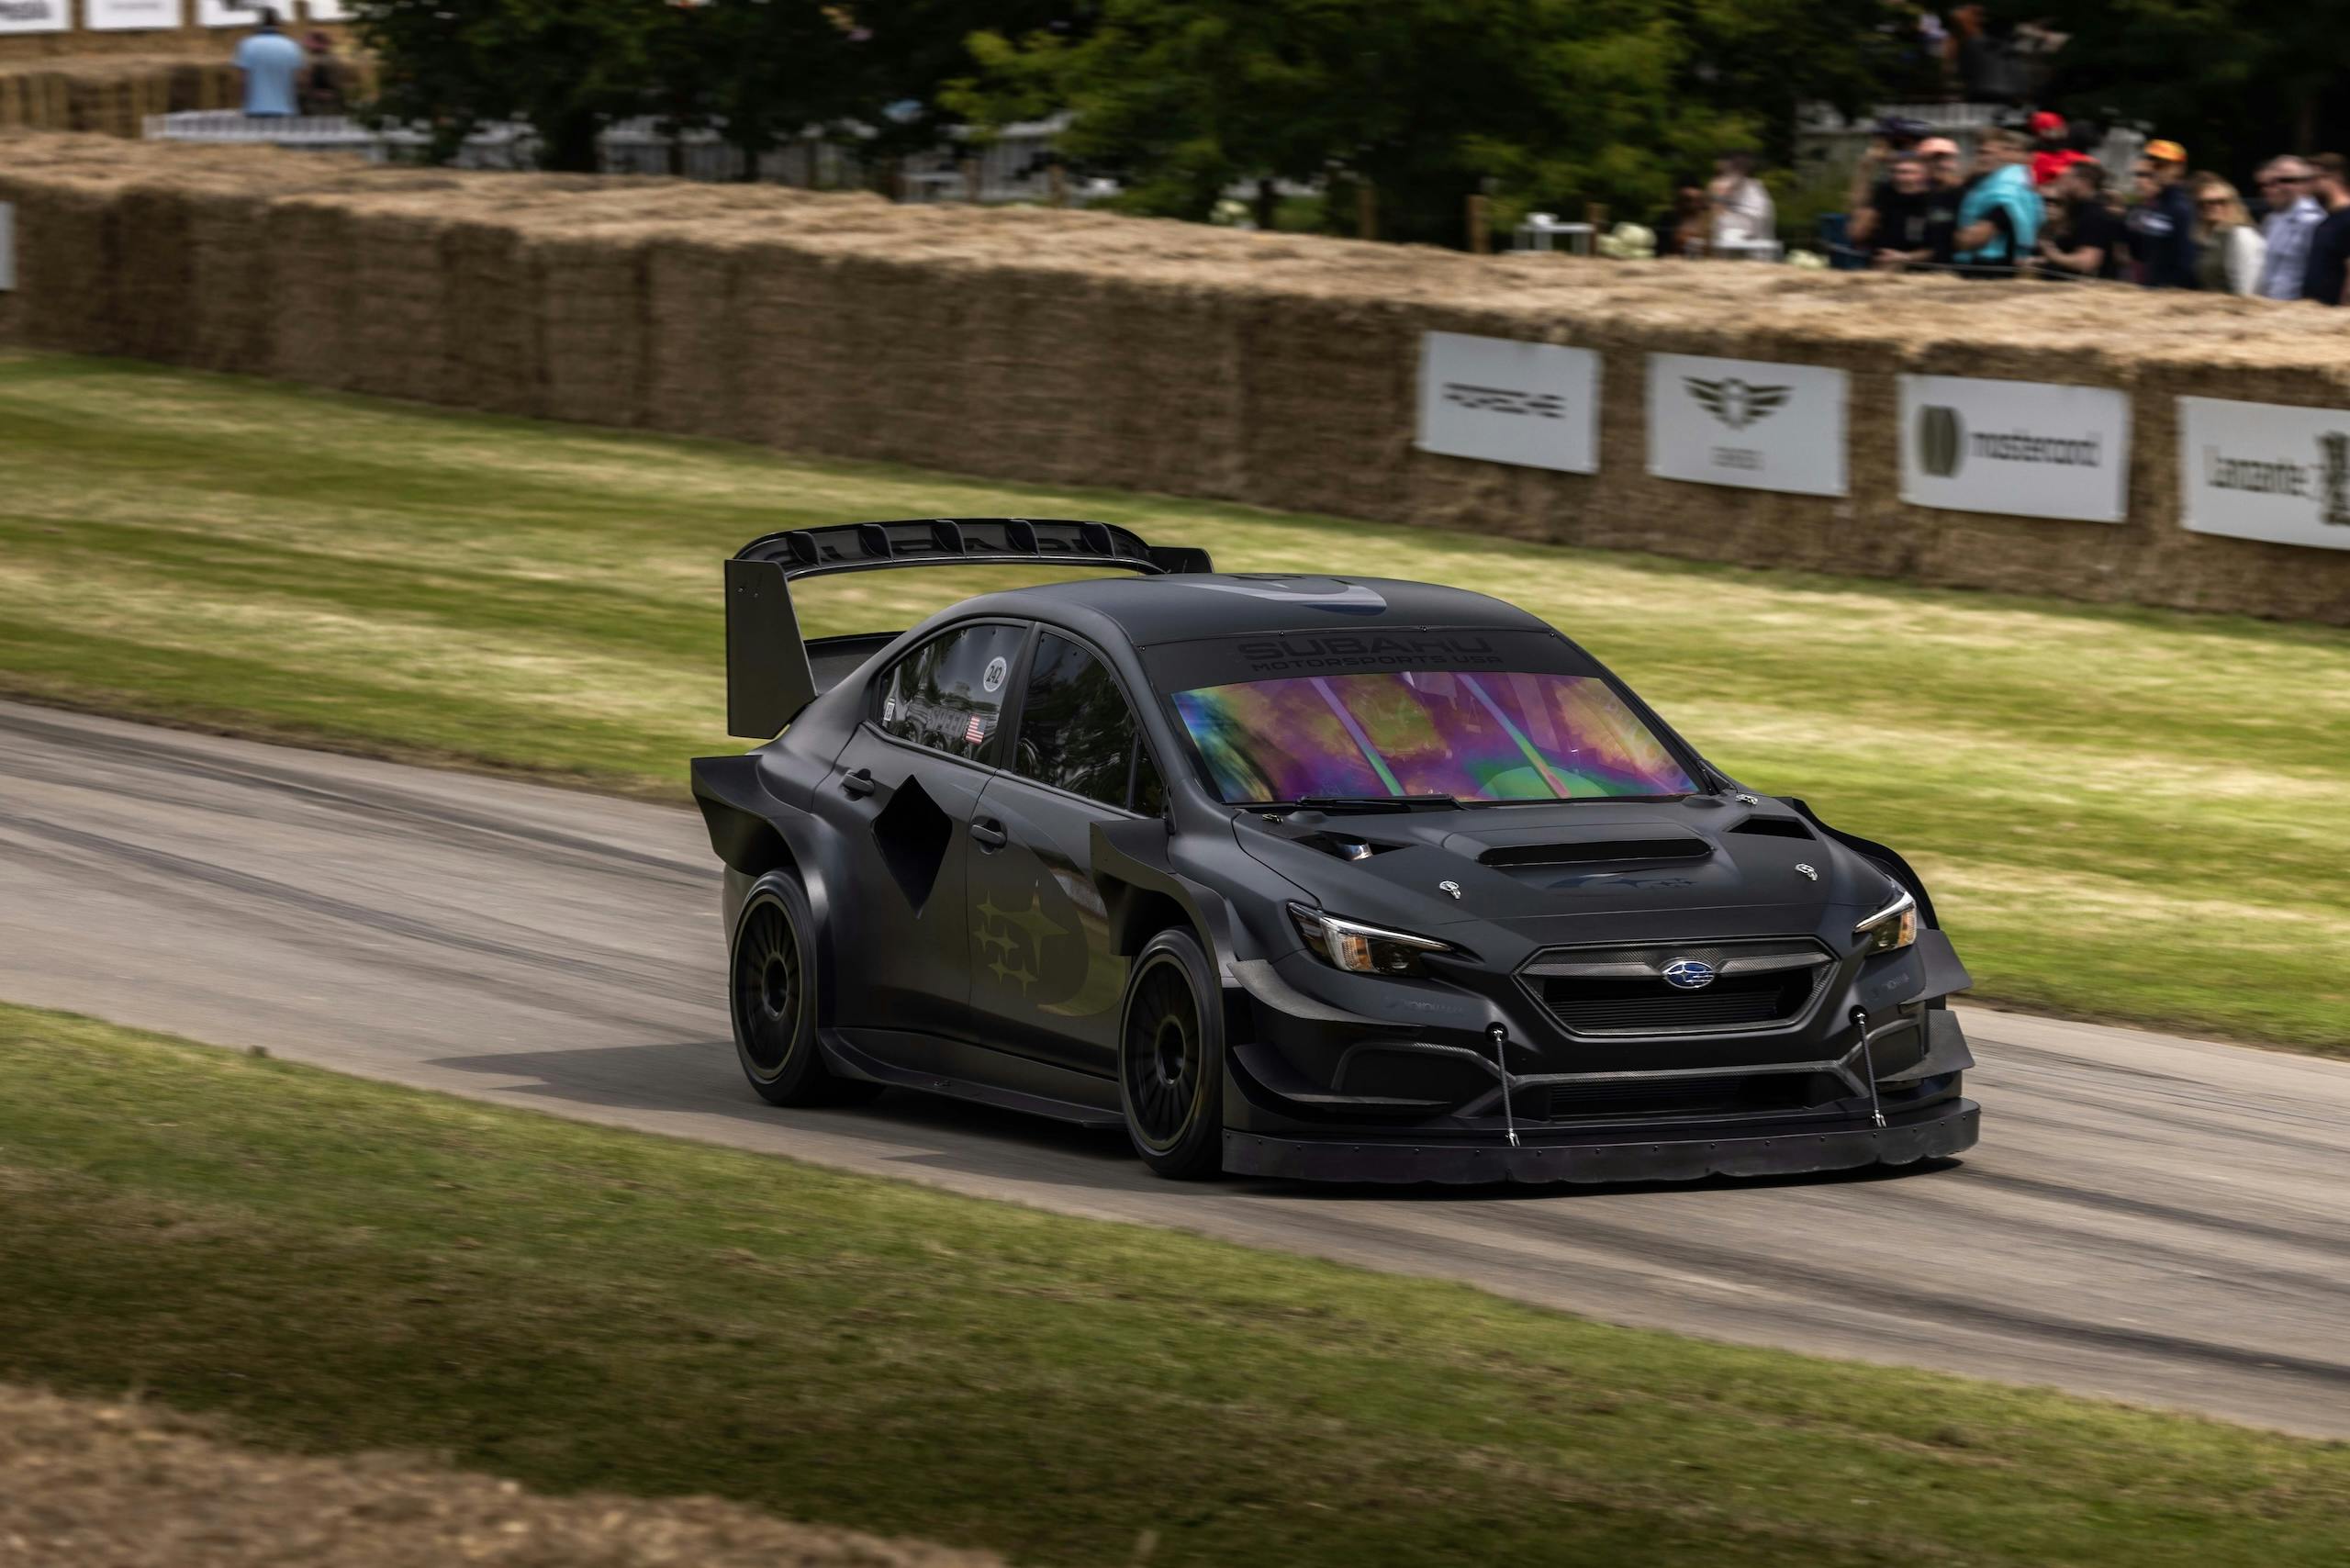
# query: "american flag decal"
976,730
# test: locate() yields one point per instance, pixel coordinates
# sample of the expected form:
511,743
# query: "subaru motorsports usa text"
1323,877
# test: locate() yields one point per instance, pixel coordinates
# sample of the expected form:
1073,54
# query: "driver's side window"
948,693
1078,733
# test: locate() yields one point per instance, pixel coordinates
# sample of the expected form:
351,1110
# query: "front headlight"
1363,950
1891,928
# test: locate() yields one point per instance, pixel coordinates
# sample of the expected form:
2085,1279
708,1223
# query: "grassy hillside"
331,1265
2127,814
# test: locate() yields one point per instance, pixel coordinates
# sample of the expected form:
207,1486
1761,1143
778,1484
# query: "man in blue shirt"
2293,216
1999,216
271,62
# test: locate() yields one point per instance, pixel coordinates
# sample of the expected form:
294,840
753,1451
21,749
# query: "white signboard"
1535,405
326,10
1745,423
2021,448
2264,471
36,16
239,13
132,15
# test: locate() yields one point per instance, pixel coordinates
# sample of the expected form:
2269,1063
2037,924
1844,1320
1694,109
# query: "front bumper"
1587,1155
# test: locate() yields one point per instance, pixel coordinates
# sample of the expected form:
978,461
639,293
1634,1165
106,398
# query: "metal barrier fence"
1015,165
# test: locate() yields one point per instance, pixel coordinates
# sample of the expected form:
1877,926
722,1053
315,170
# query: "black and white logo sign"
133,16
36,16
2264,471
1744,422
1735,403
2023,448
1535,405
993,680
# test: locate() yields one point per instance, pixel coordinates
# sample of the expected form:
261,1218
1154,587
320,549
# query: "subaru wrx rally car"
1309,876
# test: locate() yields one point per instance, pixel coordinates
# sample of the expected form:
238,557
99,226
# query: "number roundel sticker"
997,669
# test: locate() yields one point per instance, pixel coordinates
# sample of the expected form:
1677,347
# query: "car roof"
1184,606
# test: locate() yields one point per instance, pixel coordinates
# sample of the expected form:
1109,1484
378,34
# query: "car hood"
1586,870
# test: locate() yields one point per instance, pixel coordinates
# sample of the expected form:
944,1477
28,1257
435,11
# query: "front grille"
1622,990
1730,1094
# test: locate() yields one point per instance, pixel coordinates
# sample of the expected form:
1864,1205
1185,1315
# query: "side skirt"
965,1071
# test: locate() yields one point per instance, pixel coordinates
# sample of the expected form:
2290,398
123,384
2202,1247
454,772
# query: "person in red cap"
2053,152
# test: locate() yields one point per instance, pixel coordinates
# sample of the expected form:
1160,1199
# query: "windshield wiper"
1361,803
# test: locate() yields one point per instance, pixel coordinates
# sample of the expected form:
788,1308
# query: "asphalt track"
2165,1221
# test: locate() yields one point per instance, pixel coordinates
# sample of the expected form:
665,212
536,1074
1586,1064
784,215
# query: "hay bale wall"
111,94
1078,347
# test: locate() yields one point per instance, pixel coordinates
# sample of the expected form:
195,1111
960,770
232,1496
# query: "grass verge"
327,1265
2126,814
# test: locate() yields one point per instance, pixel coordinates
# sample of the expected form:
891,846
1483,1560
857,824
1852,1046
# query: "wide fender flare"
1137,880
753,831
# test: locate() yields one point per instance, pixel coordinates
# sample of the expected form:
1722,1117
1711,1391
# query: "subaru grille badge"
1746,800
1689,974
1807,870
1453,888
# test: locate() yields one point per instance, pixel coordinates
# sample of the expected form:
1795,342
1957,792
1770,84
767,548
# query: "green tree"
566,67
2236,81
1426,101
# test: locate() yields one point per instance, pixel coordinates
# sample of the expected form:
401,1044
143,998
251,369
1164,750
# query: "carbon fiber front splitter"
1596,1157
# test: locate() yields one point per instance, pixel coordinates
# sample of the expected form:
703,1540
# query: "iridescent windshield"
1481,737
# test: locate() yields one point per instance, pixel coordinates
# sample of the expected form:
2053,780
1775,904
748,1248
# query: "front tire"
772,992
1170,1060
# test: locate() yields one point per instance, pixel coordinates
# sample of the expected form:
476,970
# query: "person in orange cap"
2162,223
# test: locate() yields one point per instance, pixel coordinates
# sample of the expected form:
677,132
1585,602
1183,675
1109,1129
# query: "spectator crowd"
2034,203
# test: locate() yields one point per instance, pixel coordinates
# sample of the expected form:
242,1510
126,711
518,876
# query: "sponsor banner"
36,16
2020,448
326,10
2264,471
241,13
1535,405
1745,423
132,15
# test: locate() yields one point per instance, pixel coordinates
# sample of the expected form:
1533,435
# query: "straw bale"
695,342
593,304
492,358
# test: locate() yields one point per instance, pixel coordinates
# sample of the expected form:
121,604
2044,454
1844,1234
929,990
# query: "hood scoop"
1649,847
1775,827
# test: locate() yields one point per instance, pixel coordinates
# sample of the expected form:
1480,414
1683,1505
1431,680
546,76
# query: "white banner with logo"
241,13
132,15
1535,405
2264,471
326,10
2023,448
36,16
1746,423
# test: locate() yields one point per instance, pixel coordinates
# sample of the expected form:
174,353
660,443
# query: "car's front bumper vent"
1632,1097
1626,991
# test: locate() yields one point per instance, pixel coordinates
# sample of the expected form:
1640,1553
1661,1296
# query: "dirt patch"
114,1485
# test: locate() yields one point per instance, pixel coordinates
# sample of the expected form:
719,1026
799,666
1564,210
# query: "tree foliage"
1541,102
2236,81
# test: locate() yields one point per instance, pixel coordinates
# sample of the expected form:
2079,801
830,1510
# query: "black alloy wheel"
772,995
1170,1060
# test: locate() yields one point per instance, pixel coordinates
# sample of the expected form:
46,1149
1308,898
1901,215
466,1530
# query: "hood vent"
1775,827
1596,851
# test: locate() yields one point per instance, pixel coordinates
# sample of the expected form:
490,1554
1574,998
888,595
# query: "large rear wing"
772,671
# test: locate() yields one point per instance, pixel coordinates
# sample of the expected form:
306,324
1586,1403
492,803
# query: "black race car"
1315,877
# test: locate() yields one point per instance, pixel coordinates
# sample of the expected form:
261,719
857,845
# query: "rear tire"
772,981
1170,1060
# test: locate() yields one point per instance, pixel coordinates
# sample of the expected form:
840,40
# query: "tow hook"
1500,1036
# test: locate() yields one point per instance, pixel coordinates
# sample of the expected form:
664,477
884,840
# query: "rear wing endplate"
771,670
